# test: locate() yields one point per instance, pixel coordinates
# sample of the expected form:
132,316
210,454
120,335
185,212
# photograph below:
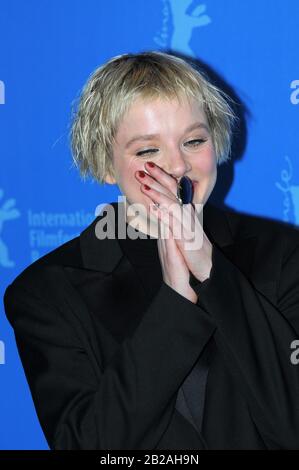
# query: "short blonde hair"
114,86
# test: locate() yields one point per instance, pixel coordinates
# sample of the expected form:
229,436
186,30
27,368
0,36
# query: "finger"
158,197
183,221
164,178
145,178
186,229
165,216
161,250
174,257
163,228
171,203
163,223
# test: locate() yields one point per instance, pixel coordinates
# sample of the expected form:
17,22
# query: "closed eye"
198,142
193,143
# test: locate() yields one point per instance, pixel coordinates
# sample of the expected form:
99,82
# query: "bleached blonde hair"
114,86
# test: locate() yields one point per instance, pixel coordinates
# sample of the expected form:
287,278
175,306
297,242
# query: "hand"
174,269
198,253
163,190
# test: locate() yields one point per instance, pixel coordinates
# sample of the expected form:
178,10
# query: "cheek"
207,162
127,173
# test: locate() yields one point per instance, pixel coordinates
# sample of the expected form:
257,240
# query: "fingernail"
141,174
146,187
150,164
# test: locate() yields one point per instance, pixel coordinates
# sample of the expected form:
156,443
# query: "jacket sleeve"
130,404
254,337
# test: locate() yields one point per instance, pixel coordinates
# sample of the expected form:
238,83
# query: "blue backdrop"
48,50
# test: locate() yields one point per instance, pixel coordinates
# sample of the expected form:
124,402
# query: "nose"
176,165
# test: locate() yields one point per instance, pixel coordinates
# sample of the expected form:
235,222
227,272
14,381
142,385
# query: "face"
176,147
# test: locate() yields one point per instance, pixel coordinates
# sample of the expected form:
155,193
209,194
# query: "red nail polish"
146,187
141,174
151,164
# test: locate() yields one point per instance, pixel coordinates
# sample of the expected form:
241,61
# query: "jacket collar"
100,255
220,226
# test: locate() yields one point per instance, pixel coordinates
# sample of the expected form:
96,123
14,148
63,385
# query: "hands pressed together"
190,250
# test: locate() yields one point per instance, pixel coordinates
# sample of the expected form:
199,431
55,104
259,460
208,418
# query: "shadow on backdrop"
225,171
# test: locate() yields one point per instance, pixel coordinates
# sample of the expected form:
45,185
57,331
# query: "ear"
109,179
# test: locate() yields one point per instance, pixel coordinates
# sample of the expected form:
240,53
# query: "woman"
144,342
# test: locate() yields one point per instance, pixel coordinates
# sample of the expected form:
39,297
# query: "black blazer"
104,364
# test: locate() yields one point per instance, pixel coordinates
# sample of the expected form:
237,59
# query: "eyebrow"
195,125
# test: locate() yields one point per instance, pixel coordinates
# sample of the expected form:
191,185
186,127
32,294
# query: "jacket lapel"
224,230
237,236
107,281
